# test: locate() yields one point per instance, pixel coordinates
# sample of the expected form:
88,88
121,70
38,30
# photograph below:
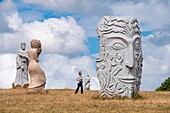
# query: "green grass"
65,101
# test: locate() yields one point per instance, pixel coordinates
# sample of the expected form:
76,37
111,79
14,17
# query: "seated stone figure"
22,60
37,75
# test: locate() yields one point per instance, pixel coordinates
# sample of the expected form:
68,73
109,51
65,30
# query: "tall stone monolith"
119,64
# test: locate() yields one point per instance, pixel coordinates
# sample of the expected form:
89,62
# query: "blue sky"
67,30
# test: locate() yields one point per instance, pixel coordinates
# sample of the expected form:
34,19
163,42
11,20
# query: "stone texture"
37,75
119,64
22,61
87,82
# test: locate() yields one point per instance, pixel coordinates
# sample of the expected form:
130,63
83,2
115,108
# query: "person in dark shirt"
80,83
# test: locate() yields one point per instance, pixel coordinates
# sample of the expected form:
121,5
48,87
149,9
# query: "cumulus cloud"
87,12
58,35
156,63
61,71
61,36
152,14
10,19
62,42
7,70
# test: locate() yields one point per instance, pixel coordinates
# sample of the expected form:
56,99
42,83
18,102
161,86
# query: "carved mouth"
128,79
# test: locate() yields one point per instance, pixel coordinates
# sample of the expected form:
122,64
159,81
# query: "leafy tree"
165,86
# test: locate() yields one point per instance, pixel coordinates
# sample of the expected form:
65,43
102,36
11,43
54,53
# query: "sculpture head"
23,46
36,44
80,73
120,52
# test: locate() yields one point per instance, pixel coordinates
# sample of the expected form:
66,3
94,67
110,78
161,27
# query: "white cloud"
61,71
152,14
88,12
9,17
62,42
59,67
7,70
156,63
58,35
61,36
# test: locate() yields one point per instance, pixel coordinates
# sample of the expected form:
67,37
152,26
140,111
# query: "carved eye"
137,44
118,46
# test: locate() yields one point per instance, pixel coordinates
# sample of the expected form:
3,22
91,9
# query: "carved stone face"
23,46
123,56
119,66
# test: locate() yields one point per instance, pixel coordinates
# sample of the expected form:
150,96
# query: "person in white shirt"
80,83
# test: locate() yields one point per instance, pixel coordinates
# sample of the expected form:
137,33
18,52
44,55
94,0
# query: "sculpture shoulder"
32,53
32,50
22,52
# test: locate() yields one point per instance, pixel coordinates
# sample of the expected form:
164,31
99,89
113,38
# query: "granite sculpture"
22,60
37,75
87,82
119,64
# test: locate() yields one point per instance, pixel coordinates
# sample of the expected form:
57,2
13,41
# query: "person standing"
80,83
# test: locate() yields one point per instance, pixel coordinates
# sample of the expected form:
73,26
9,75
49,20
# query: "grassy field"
65,101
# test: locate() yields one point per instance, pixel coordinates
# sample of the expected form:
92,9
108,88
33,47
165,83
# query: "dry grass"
65,101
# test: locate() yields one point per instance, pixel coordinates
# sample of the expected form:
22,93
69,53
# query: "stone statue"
37,75
87,82
22,60
119,64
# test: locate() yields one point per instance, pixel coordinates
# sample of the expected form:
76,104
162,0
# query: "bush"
165,86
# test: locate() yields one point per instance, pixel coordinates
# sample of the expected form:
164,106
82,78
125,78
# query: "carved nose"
129,64
130,57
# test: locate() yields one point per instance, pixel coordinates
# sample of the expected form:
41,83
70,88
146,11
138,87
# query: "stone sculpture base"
87,86
18,86
36,89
